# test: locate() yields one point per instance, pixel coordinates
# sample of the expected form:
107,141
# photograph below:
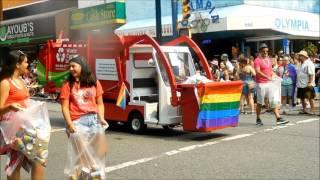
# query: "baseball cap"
263,45
224,56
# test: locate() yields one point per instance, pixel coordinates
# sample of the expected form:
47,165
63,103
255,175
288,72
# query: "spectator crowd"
296,74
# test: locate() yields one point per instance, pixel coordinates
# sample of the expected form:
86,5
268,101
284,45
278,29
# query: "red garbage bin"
190,107
210,106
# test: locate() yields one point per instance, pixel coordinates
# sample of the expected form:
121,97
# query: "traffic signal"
186,10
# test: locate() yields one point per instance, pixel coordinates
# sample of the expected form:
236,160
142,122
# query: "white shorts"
268,90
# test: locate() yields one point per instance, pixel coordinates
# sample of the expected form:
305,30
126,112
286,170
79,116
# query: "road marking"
266,130
173,152
290,124
170,153
58,130
188,148
196,146
130,163
236,137
208,143
307,120
281,127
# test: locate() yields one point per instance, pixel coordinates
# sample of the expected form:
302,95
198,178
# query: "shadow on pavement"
168,134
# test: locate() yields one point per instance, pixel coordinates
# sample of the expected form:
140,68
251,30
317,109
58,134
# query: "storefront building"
217,26
29,31
102,18
27,26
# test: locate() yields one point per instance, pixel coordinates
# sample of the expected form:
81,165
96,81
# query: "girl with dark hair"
246,75
82,105
215,69
81,95
13,95
224,73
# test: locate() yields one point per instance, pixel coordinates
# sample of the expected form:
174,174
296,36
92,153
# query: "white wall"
88,3
301,5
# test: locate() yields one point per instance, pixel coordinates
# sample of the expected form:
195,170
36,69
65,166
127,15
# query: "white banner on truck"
106,69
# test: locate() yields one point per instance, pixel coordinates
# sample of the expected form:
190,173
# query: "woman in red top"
13,94
81,96
82,106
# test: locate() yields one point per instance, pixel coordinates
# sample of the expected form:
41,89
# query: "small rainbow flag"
121,100
219,105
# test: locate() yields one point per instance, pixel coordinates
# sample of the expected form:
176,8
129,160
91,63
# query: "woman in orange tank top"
13,94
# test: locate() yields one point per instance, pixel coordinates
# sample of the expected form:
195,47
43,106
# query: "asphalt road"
244,152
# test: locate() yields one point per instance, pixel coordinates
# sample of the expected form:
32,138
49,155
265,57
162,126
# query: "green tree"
311,49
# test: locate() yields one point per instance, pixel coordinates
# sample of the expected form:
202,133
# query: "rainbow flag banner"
219,104
121,100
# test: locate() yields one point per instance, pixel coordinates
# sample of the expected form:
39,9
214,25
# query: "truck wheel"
136,123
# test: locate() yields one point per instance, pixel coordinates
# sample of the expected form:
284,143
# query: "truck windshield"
181,64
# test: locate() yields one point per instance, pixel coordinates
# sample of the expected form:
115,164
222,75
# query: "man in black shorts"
306,82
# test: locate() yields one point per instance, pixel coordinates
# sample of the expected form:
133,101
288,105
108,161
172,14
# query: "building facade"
216,25
26,25
219,25
96,17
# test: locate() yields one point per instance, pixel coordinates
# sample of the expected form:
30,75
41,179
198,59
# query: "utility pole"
174,6
158,21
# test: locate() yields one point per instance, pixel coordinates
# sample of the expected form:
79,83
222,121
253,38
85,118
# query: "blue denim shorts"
287,90
88,124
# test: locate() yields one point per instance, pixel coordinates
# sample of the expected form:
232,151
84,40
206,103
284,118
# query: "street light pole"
174,5
158,21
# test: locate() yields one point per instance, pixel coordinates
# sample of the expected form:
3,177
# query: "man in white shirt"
306,82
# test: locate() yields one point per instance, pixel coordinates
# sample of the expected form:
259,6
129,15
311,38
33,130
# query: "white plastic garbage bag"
197,78
275,96
86,156
28,130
